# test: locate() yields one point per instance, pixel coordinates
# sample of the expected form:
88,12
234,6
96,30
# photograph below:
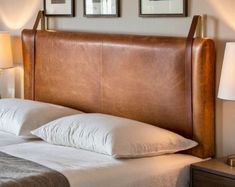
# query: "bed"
86,169
143,78
9,139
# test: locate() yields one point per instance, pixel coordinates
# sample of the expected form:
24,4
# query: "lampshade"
227,80
5,51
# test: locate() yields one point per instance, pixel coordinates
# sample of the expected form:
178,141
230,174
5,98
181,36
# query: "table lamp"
227,82
5,51
6,59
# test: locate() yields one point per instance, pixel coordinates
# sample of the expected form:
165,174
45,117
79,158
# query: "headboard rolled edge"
27,38
204,97
203,90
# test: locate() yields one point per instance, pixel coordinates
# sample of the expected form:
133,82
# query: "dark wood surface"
212,173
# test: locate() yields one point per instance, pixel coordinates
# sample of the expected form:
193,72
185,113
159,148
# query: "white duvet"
9,139
88,169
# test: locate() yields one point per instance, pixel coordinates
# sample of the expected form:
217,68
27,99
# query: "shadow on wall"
16,14
220,39
222,27
226,11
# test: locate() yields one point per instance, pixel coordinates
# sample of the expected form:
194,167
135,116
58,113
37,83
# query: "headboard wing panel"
138,77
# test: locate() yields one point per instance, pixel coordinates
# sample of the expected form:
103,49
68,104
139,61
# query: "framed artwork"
59,7
163,8
101,8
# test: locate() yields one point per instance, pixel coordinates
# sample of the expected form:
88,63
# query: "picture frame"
64,8
101,8
163,8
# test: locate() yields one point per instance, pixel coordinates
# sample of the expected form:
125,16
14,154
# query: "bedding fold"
18,172
7,139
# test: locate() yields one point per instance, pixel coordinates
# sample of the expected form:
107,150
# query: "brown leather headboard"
138,77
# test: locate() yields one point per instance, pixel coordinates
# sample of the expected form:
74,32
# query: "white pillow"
19,116
114,136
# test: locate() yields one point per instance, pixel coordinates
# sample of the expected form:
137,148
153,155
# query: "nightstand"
212,173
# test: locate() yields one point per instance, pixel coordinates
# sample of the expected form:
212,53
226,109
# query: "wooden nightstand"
212,173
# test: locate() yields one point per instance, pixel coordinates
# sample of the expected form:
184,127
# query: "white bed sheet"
9,139
87,169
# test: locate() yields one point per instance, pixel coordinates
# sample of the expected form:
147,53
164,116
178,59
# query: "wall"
15,15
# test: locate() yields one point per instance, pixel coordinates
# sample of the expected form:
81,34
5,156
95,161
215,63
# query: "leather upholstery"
28,57
138,77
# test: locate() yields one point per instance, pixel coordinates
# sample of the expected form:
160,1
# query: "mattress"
85,169
9,139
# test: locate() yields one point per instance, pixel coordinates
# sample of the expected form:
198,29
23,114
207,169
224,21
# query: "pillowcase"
19,116
114,136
